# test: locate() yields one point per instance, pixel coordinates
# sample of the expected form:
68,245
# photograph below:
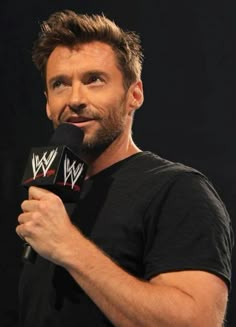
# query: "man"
150,241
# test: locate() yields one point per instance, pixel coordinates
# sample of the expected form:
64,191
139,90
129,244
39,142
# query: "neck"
117,151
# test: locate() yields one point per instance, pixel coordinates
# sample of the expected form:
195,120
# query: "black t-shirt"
150,216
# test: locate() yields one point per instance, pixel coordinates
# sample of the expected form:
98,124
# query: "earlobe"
48,111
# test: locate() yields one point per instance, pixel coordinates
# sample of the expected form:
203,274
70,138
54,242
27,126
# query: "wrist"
67,254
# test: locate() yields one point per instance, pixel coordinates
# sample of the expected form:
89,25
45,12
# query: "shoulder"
149,168
151,163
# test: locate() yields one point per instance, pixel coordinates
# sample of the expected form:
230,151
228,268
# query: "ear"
136,97
48,111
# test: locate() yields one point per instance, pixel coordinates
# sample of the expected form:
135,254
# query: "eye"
57,83
94,79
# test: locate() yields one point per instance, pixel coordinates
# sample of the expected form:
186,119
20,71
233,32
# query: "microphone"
56,168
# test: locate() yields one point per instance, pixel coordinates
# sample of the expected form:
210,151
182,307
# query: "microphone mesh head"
68,135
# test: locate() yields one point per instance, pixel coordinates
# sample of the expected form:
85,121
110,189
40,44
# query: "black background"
188,115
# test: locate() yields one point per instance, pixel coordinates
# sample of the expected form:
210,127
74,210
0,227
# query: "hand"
45,225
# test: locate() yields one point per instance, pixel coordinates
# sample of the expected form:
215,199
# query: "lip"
82,124
79,119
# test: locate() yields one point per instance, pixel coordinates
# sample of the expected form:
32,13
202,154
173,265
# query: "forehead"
89,55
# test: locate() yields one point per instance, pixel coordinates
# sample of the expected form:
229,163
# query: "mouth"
80,121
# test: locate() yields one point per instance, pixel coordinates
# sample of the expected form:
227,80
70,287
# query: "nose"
77,98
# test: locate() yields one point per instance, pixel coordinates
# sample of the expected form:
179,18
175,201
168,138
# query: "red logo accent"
49,173
76,188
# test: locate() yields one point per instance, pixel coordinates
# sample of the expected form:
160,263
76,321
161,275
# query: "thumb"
38,193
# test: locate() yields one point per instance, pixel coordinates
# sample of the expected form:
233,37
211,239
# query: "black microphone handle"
29,255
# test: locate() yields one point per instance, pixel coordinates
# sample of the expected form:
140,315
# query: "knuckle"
20,218
53,199
42,206
23,205
18,228
27,230
35,216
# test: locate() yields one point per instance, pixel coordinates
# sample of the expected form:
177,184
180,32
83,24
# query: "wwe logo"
43,163
72,171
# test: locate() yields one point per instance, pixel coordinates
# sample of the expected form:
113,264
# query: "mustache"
80,110
77,109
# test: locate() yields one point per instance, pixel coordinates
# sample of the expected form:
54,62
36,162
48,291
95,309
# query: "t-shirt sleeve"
189,230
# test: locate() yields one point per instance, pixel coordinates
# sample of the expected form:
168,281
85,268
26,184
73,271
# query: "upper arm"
208,292
192,231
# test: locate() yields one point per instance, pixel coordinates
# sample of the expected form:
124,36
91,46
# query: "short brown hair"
69,28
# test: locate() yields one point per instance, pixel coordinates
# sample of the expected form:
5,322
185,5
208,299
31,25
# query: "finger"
29,205
19,232
24,231
38,193
24,218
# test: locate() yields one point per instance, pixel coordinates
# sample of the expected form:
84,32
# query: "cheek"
54,109
51,114
110,106
110,113
115,117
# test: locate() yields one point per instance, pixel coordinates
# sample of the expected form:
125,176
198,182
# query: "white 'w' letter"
43,163
72,170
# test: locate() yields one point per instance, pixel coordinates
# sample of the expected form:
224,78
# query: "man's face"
85,87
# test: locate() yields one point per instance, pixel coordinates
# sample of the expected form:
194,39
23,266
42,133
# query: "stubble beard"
109,130
96,144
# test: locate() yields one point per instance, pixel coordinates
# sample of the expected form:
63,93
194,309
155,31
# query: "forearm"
125,300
